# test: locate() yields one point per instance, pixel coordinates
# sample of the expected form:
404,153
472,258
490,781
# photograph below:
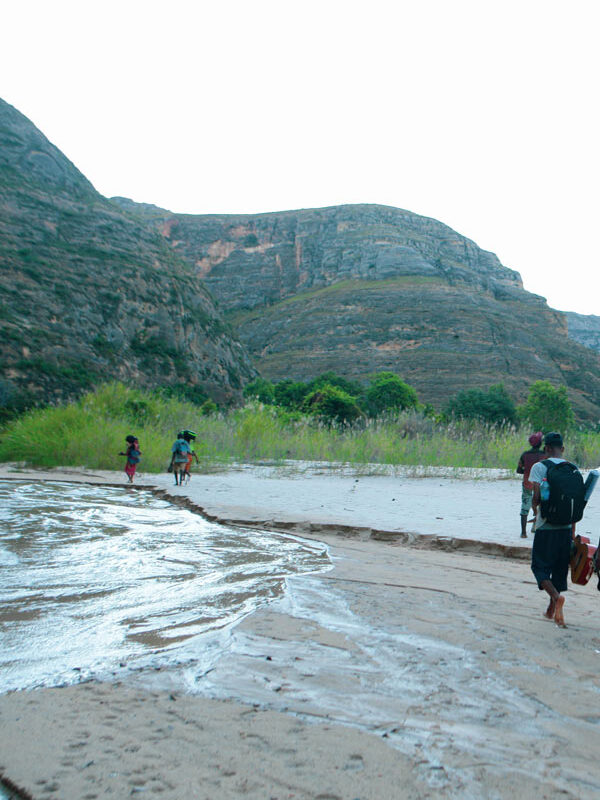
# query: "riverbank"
439,508
404,666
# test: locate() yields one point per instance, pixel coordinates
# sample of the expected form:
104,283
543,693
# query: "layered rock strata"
89,292
358,289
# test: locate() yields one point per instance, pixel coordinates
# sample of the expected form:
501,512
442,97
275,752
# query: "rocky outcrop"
250,261
585,329
88,292
358,289
92,289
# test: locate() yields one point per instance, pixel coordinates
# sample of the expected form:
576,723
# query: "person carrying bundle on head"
189,436
133,456
179,457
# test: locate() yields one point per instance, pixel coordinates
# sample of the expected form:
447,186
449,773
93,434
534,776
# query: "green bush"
494,406
91,433
388,392
187,392
332,405
548,408
260,389
290,394
353,388
208,407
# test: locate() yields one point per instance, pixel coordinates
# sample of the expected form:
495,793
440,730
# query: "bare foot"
558,613
549,612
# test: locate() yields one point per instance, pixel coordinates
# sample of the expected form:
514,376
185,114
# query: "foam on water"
94,577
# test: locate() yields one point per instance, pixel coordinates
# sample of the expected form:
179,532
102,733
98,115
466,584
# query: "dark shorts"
550,557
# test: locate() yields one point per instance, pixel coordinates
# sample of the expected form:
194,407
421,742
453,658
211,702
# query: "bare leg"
549,612
557,601
523,526
559,617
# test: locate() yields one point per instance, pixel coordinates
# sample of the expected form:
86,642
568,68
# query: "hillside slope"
88,292
363,288
585,329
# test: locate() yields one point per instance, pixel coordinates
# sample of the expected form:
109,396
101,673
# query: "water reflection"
94,576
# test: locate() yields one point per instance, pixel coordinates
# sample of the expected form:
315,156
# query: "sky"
483,115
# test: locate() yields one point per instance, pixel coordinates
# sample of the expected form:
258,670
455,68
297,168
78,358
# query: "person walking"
189,436
551,551
526,462
179,456
133,455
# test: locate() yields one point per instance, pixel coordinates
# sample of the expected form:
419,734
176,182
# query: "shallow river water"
94,578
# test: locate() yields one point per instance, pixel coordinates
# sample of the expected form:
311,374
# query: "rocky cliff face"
92,289
585,329
358,289
256,260
88,292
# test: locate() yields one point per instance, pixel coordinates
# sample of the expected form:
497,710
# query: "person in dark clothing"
526,462
551,551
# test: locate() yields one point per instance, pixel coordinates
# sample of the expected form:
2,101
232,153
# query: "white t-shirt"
537,475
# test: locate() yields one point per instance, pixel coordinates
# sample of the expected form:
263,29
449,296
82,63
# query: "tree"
260,389
548,407
208,407
388,392
353,388
332,405
290,394
494,406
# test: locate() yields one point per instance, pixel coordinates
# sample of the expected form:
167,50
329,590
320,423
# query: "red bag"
582,561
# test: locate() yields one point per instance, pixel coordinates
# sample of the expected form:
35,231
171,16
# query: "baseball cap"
553,440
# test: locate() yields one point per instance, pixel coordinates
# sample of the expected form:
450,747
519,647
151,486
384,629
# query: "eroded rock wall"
88,292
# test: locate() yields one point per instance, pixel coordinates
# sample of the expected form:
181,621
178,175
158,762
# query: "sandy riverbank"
428,673
475,505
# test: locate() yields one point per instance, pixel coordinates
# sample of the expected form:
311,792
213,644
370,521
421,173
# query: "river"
97,578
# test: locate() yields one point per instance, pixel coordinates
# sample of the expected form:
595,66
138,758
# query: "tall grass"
91,433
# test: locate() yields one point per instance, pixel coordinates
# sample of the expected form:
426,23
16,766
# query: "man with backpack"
558,503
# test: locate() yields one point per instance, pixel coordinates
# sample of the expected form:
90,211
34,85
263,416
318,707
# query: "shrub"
494,406
208,407
547,408
353,388
388,392
188,392
332,404
261,390
290,394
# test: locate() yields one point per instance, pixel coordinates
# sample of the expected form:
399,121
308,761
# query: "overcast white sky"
482,114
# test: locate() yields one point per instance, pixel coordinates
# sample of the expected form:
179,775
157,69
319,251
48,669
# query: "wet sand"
409,670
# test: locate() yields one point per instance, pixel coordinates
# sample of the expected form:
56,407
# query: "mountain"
585,329
94,289
89,292
364,288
